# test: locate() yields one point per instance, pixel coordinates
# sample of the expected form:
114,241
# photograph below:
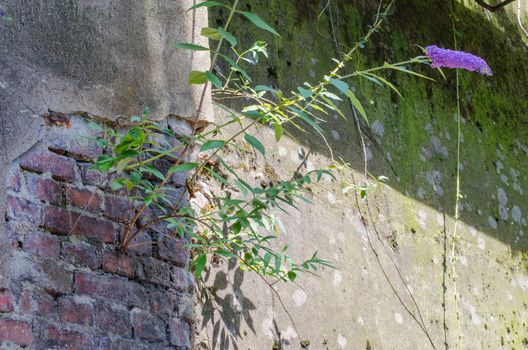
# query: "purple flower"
457,59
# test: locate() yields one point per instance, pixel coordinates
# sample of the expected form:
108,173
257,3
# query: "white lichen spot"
368,153
439,148
335,135
516,214
360,321
435,178
398,318
341,341
282,152
499,166
338,278
314,60
378,128
473,231
341,236
481,243
331,197
289,333
422,218
504,179
503,199
420,193
312,74
492,222
267,327
429,128
522,281
475,318
299,297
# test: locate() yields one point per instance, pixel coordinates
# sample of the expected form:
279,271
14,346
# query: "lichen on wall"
412,141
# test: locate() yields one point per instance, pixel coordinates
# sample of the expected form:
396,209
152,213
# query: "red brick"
62,221
37,303
182,280
155,271
42,244
73,312
82,254
173,249
61,168
141,243
179,333
148,326
6,301
117,208
112,288
76,147
116,321
64,339
44,189
162,303
44,273
93,177
119,263
20,209
84,198
18,332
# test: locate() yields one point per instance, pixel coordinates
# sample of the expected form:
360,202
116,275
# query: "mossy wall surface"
412,141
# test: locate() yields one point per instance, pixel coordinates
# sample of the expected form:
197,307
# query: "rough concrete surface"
389,283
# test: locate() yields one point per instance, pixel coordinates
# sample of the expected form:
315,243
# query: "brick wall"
68,286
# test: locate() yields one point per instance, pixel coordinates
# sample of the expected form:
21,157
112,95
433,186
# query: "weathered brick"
37,302
116,321
119,263
82,254
84,198
179,333
15,182
6,301
182,279
43,161
112,288
173,249
43,244
18,332
93,177
62,221
186,308
155,271
117,208
65,339
44,273
141,243
44,189
148,326
74,312
76,147
162,303
20,209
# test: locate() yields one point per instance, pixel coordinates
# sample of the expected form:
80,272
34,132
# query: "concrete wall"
390,255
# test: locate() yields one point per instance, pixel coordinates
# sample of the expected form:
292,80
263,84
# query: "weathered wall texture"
65,284
365,304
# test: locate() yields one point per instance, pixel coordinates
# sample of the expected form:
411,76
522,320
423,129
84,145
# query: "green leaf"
278,131
213,79
259,22
211,33
357,104
207,4
306,118
340,85
212,144
386,82
305,93
236,67
197,77
182,167
199,264
228,36
255,143
153,171
189,46
291,275
116,185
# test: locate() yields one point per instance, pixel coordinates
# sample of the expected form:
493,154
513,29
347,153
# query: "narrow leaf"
255,143
211,33
197,77
182,167
213,79
278,131
306,118
340,85
207,4
357,105
228,36
259,22
211,144
199,264
189,46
